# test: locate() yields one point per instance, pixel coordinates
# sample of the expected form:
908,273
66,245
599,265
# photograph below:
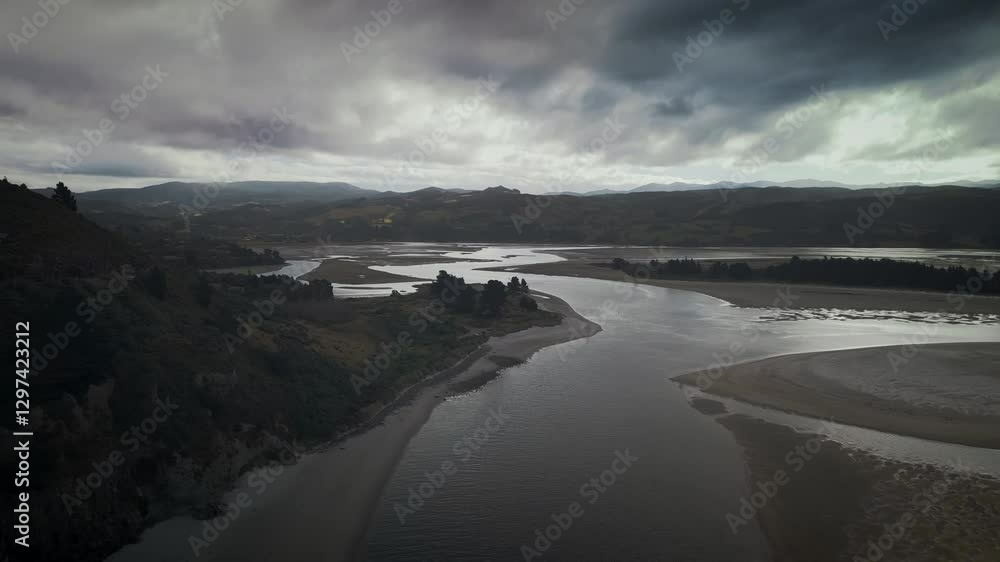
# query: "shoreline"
342,271
337,490
872,396
752,294
840,500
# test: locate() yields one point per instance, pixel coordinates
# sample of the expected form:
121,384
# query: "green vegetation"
247,359
774,216
63,195
834,271
486,300
198,251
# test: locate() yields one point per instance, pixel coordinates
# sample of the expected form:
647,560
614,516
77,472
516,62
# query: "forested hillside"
232,368
910,217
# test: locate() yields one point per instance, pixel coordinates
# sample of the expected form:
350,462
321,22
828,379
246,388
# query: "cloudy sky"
537,95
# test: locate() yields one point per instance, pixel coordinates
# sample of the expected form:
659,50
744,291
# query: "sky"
542,96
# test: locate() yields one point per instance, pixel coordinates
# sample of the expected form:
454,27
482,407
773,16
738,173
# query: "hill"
178,193
680,186
154,385
915,217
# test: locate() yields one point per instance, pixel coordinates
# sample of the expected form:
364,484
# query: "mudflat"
836,503
352,272
874,395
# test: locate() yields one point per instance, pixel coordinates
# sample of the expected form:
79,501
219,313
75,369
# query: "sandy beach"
762,295
336,492
813,384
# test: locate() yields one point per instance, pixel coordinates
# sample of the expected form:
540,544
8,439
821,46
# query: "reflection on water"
848,314
571,406
576,403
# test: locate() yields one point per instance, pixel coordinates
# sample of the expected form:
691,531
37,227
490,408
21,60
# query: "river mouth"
572,406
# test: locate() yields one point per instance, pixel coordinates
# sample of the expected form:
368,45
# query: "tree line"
865,272
487,299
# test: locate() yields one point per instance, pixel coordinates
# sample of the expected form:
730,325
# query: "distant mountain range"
942,217
679,186
272,192
230,193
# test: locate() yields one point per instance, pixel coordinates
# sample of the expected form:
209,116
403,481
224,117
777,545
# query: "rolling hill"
917,216
177,193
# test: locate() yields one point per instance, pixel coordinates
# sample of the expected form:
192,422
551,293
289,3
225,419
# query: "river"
574,408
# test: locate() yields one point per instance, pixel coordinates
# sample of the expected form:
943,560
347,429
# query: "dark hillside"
916,217
250,365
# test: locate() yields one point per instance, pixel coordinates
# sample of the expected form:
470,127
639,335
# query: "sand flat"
809,384
338,270
764,295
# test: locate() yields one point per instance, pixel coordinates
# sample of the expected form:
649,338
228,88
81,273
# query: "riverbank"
921,397
836,503
351,272
250,269
335,493
764,295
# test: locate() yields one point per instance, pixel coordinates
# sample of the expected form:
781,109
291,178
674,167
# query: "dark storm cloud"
8,109
773,53
121,170
673,107
561,78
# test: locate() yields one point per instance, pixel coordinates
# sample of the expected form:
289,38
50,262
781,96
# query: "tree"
524,286
466,301
64,196
514,285
493,296
446,280
529,303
